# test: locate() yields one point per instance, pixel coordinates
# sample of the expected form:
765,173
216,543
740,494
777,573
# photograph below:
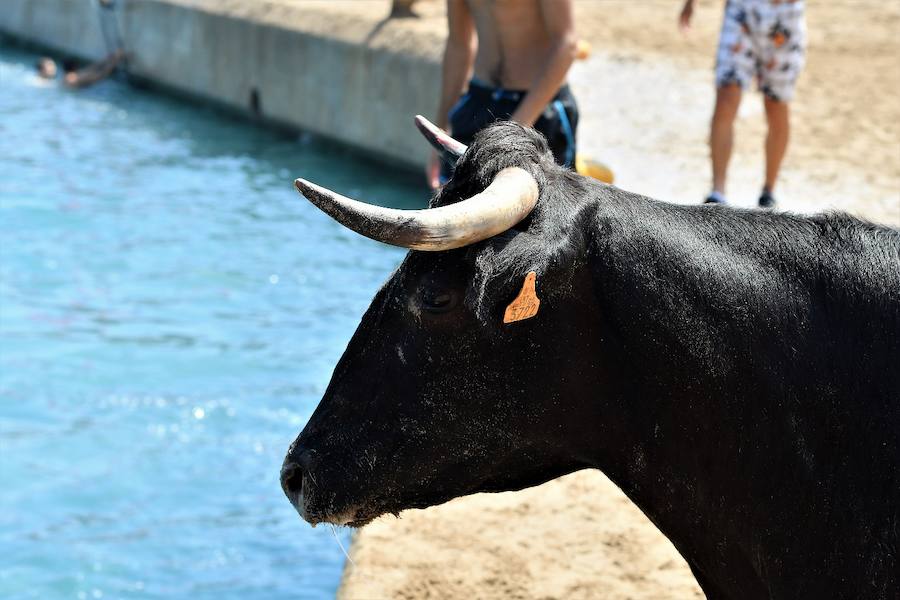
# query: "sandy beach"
646,95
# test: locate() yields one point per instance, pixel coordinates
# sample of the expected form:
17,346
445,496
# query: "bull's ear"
500,273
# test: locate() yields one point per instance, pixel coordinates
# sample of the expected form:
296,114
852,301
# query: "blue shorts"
483,104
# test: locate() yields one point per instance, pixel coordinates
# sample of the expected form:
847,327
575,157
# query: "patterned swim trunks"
765,38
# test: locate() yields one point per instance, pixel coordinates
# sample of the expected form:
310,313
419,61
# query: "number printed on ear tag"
526,303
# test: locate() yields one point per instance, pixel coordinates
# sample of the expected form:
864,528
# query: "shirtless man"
520,52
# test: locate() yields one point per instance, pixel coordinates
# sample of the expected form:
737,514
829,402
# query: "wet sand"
646,95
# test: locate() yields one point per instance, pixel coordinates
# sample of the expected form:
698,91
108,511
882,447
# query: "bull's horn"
506,201
439,138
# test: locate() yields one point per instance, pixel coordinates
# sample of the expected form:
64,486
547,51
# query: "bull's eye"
437,300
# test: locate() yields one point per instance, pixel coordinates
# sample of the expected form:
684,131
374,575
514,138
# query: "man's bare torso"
513,43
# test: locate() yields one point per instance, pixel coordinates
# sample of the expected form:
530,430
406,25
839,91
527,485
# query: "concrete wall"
72,27
328,71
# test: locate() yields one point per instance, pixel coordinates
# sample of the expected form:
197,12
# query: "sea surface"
170,314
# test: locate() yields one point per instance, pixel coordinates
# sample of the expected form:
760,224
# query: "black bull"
736,373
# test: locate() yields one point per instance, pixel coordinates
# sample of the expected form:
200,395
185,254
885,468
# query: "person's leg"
735,60
782,50
721,136
777,115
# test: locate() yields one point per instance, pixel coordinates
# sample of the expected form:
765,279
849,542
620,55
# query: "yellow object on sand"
582,49
587,166
592,168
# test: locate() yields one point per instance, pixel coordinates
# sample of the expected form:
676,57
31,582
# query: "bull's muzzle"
295,469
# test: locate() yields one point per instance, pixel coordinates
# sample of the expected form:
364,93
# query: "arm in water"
93,73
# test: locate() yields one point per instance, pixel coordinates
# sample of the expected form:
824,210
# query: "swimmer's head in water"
46,68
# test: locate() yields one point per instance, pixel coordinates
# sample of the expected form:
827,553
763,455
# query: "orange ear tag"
526,303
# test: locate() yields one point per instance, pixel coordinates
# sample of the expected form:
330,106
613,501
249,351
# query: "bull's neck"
680,415
740,365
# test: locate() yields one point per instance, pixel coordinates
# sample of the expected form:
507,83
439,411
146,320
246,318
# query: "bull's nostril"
292,480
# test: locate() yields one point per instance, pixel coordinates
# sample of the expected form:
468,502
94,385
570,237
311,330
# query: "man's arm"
458,57
560,26
687,11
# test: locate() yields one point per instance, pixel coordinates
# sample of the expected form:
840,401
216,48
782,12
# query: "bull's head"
436,395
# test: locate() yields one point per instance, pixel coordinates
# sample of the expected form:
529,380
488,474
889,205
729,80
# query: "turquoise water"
170,313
